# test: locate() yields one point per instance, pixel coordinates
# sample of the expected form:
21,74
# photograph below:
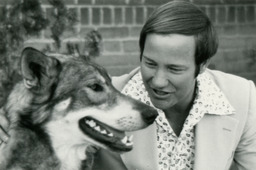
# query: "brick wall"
120,21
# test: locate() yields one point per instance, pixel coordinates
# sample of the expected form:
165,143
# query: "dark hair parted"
182,17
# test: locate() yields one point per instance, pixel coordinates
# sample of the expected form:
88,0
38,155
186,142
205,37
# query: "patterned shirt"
178,152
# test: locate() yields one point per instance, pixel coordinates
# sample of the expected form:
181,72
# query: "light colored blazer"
221,142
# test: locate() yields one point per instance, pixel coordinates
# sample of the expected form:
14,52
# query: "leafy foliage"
21,20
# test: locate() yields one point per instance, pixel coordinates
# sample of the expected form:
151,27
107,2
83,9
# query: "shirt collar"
210,98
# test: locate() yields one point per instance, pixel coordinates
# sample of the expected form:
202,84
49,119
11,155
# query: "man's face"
168,70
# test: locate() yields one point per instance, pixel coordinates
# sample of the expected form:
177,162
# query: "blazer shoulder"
229,80
239,91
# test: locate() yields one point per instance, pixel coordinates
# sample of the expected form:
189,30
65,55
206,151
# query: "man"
206,118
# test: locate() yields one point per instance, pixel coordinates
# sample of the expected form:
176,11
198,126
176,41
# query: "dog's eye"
96,87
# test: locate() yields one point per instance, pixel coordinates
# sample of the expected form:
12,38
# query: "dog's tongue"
106,135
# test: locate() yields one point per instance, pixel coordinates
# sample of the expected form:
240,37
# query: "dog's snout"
149,115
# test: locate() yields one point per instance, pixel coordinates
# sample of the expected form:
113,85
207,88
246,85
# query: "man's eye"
150,64
175,70
96,87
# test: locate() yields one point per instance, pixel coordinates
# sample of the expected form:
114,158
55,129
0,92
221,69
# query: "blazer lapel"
214,141
144,154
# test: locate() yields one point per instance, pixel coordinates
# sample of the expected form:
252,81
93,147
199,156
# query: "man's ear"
38,70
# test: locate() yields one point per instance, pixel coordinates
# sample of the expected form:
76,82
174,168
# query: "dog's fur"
64,105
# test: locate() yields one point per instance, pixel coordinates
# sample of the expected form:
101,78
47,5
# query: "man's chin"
162,104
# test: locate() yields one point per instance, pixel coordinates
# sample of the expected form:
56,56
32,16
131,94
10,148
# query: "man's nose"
159,80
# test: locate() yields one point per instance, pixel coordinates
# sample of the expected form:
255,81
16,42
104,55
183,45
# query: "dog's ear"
38,70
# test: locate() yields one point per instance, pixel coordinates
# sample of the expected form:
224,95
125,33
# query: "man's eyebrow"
147,58
169,65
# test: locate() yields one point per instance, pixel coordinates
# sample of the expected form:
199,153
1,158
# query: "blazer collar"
214,141
144,153
210,99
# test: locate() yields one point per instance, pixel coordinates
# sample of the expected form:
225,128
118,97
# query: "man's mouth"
160,93
106,135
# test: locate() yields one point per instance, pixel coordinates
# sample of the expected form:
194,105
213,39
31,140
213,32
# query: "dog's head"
75,103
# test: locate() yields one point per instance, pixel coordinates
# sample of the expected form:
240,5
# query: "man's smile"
160,94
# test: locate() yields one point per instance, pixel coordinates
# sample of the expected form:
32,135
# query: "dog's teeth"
130,138
129,143
91,123
110,134
124,140
97,128
103,132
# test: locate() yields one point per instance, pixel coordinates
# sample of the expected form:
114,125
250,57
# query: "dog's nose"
149,115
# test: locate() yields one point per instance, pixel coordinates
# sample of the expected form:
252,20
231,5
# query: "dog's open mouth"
114,139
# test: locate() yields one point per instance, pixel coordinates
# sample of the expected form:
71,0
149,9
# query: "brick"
129,15
156,2
207,2
228,30
74,11
135,31
49,13
136,2
107,16
118,59
250,14
246,1
44,2
233,43
110,2
240,14
204,9
66,2
249,75
247,29
2,13
121,69
36,44
111,46
85,16
47,33
231,12
221,17
235,54
131,46
113,32
85,30
229,1
251,42
149,11
118,16
68,33
139,16
69,2
82,2
212,13
96,16
238,65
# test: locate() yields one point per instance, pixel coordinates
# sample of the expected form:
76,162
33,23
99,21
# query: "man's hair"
182,17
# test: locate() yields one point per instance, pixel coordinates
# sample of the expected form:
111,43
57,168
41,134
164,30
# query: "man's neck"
177,114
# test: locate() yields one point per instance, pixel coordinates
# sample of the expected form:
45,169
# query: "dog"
63,106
